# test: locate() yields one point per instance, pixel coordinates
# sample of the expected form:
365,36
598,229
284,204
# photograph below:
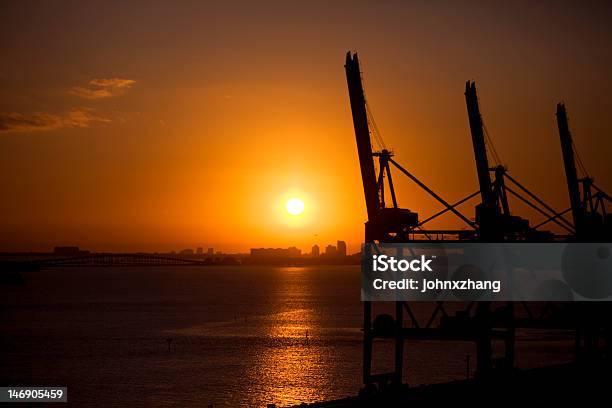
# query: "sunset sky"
162,125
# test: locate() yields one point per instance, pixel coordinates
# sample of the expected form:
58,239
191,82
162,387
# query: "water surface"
194,336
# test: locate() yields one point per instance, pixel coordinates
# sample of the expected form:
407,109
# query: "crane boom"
567,149
362,134
478,142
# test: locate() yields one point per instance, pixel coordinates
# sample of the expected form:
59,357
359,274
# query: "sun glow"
296,211
294,206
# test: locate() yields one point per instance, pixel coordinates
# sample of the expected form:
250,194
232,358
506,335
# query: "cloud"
91,93
97,88
112,82
103,88
75,118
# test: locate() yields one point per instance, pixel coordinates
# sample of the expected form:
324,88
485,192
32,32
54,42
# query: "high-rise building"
315,250
331,250
341,248
294,252
199,250
210,252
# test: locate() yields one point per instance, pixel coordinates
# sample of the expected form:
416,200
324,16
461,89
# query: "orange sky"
150,126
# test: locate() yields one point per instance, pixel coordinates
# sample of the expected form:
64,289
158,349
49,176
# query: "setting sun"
295,206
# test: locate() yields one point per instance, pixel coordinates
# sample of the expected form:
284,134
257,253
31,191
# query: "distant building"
199,251
68,251
315,250
331,250
186,252
341,248
210,252
294,252
291,252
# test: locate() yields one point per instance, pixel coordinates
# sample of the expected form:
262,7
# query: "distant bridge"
119,260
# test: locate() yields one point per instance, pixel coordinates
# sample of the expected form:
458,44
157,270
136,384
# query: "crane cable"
581,166
375,131
489,142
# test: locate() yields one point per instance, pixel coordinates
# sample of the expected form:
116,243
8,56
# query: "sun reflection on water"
294,344
294,369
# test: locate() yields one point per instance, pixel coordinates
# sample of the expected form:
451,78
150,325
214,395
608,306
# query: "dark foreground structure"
497,380
561,384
